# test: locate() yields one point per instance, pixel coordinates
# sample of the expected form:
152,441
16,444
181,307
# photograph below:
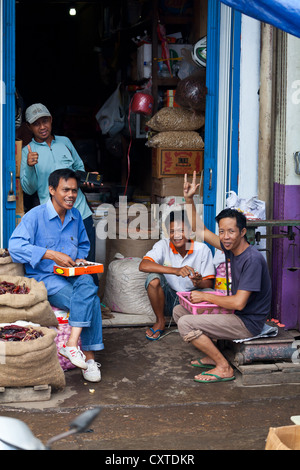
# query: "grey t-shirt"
249,271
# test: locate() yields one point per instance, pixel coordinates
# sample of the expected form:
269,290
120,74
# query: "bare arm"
200,283
59,258
202,233
231,302
148,266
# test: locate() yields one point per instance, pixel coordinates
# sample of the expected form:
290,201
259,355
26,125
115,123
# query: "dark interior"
72,64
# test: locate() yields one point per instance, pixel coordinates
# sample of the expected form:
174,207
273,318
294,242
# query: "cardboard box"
19,196
89,268
164,187
174,162
18,155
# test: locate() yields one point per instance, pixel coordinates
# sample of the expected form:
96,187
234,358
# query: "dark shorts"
171,298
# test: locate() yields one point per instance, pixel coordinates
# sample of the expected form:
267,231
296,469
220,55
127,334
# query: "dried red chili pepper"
18,333
11,288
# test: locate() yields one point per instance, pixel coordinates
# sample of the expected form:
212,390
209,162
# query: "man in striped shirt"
177,264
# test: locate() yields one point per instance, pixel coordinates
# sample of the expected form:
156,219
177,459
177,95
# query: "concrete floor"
150,402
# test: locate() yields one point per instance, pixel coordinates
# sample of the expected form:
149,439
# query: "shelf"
176,19
167,81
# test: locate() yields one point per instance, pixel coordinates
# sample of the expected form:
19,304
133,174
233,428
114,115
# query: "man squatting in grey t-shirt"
250,299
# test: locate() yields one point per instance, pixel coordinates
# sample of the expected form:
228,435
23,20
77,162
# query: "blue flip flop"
154,331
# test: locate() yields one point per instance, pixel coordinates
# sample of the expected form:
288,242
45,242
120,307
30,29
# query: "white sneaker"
92,373
75,355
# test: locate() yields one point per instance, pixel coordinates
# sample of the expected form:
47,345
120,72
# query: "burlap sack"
177,139
283,438
30,363
40,313
38,292
7,266
176,119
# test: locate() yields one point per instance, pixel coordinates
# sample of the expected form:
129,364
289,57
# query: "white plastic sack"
125,288
252,208
111,117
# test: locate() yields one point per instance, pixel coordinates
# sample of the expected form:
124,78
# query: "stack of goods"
178,149
176,128
28,353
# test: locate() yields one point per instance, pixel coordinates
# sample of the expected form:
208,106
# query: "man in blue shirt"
46,153
54,233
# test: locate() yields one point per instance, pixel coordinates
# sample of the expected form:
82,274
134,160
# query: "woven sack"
40,313
30,363
7,266
176,139
38,292
176,119
125,288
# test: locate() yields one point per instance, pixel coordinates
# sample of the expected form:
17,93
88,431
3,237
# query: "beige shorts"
215,326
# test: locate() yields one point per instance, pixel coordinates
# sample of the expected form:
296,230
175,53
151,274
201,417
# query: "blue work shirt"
40,230
60,154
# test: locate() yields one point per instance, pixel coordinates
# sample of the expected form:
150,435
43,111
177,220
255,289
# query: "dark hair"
63,173
241,220
177,216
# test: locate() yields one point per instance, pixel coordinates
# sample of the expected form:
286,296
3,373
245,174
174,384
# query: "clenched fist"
32,157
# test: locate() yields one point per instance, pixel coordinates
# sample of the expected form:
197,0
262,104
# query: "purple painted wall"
286,284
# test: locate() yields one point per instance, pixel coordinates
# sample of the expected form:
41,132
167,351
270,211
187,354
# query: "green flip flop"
217,378
203,366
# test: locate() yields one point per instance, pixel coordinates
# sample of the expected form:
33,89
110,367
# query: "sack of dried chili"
11,288
18,333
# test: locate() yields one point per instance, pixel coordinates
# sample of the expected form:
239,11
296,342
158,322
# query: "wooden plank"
258,369
268,374
271,378
25,394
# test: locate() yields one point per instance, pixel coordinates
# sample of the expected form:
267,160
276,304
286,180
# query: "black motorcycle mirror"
80,424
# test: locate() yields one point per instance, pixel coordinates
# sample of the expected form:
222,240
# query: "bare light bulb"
72,11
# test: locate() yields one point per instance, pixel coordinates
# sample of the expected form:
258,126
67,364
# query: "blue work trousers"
80,298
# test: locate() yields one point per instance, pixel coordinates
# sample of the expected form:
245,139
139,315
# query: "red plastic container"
142,103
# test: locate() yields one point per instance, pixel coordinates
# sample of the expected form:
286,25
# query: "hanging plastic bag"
252,208
191,91
111,117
